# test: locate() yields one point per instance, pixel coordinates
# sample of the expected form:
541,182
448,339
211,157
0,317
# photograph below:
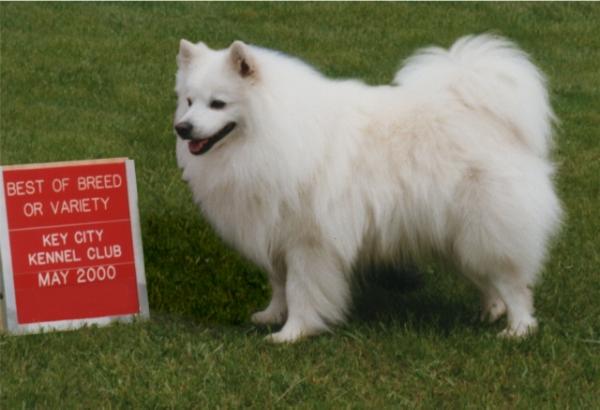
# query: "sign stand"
70,246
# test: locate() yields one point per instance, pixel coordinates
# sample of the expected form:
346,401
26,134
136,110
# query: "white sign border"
136,235
8,307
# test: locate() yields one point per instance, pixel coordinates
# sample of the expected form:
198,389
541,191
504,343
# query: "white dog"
313,178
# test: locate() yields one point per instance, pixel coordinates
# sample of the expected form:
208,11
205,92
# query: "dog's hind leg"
317,294
518,298
505,288
505,291
492,305
276,312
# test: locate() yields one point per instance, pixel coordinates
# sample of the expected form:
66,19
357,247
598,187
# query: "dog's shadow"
407,296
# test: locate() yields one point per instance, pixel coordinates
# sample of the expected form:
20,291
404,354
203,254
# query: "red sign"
71,243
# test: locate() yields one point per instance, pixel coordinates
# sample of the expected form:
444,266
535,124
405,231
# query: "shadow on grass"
404,296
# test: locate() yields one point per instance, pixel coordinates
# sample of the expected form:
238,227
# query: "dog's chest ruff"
244,217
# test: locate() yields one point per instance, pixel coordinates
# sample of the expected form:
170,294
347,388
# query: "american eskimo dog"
311,177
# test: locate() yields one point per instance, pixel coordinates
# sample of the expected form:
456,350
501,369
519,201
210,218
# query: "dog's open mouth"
202,146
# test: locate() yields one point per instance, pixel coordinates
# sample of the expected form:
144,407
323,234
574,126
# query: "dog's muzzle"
199,146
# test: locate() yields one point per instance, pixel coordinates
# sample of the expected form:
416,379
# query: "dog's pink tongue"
195,146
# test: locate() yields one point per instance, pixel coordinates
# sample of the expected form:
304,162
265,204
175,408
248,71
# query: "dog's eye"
217,104
189,101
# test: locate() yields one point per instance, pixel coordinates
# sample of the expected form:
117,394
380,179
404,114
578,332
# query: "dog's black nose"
184,130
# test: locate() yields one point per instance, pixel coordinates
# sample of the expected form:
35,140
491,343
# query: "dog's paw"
268,317
519,331
283,337
292,331
492,311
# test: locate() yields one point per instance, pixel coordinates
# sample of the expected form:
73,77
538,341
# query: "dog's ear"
241,59
188,51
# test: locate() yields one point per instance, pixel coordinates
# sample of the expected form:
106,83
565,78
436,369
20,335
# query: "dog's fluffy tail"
491,74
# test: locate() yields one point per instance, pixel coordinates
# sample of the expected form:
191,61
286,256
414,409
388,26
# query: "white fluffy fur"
323,176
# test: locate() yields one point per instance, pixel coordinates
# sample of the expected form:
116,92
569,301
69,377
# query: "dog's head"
210,88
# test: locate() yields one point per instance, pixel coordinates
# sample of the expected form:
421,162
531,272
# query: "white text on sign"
93,253
60,185
79,237
82,275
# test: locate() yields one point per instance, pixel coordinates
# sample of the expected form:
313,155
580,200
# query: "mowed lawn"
82,81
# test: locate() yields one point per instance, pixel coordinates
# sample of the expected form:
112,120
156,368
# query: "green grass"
95,80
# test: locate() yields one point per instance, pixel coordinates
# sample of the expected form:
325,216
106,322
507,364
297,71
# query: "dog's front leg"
317,294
